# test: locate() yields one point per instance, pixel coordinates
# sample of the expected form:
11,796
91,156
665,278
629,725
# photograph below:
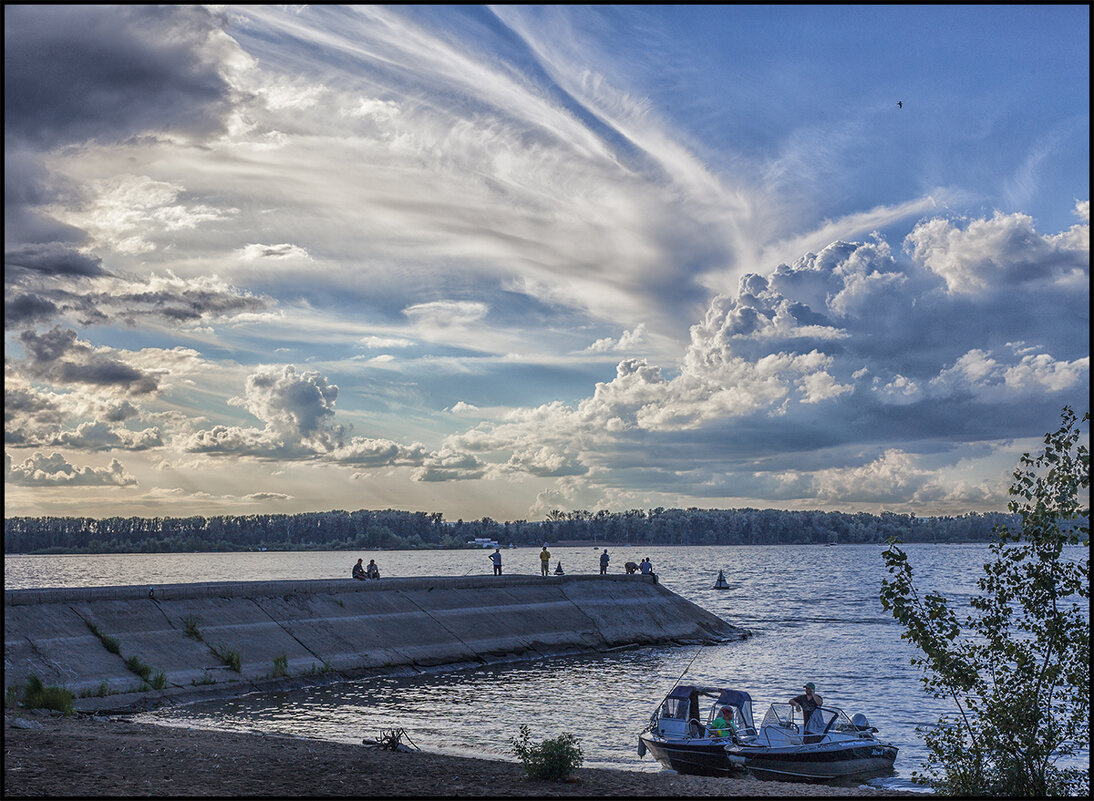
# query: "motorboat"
829,746
680,735
720,583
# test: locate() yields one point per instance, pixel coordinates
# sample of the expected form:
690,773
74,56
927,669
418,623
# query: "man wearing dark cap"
807,702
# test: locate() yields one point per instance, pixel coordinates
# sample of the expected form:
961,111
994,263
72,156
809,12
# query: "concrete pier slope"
210,639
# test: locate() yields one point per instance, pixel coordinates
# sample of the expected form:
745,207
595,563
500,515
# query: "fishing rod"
673,687
653,717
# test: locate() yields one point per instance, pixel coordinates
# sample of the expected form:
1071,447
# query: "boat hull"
823,763
695,757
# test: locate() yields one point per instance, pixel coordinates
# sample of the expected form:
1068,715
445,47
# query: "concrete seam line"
592,623
443,626
279,623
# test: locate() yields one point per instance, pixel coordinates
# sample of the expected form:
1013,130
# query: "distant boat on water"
720,583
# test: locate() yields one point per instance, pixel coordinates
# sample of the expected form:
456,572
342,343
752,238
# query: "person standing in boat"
807,702
544,560
604,559
495,557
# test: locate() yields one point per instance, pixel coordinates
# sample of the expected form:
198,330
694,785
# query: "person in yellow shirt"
544,559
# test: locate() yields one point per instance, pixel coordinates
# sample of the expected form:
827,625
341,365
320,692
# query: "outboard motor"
860,723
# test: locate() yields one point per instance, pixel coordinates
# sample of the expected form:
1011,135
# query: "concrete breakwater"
199,640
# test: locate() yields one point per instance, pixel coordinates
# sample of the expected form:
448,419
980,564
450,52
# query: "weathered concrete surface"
328,629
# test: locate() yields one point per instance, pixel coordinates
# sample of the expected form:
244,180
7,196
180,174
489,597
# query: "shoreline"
111,755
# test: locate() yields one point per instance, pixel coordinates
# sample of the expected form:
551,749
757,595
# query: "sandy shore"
106,755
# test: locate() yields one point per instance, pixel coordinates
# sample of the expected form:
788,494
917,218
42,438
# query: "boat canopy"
691,692
741,700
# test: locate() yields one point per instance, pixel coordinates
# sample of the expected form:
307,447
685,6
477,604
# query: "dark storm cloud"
21,310
128,300
50,258
58,355
76,73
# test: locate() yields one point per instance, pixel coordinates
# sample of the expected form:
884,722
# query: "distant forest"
391,529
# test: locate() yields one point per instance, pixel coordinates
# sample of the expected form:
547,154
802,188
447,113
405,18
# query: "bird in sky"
900,104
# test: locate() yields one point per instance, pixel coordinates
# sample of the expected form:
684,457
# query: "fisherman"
495,557
604,559
807,702
544,560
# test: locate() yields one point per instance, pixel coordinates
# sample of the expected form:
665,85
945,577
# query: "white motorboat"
829,746
680,735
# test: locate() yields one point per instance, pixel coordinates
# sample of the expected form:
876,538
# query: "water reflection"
814,611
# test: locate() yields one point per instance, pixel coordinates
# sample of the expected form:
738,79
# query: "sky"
499,261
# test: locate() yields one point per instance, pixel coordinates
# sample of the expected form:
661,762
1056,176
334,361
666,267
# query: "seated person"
373,571
359,570
722,726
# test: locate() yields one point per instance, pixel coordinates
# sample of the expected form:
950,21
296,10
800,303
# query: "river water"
813,610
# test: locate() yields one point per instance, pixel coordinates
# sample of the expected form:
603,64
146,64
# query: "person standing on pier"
544,559
604,559
495,557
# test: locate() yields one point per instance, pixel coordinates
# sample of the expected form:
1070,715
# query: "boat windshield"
828,719
781,715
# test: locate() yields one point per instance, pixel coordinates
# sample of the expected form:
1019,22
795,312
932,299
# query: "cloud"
50,258
71,72
54,470
446,313
267,496
283,251
386,342
59,356
131,214
297,409
448,465
836,332
365,452
627,341
99,436
1003,252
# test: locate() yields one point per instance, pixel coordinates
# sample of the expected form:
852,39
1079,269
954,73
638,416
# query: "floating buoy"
721,583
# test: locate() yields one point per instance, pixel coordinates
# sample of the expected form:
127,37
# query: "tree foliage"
392,529
1018,668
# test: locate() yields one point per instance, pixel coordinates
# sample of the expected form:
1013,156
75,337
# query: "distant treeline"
391,529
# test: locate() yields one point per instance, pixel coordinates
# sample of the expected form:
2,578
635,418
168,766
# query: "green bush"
159,681
109,643
190,627
11,696
135,664
101,691
38,696
229,656
552,760
281,665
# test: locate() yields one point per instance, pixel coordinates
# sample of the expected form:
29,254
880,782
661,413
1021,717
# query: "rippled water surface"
813,610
